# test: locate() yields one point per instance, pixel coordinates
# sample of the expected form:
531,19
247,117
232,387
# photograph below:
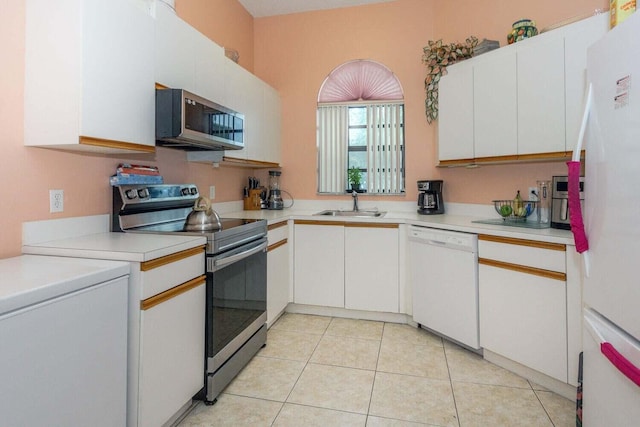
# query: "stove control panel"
134,194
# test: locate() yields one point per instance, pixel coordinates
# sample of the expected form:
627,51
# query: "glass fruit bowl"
509,209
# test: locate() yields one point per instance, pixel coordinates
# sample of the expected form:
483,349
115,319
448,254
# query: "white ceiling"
261,8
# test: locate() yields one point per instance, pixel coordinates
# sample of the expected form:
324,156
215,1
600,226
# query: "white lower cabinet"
523,307
347,265
319,263
63,358
277,270
371,267
168,358
172,354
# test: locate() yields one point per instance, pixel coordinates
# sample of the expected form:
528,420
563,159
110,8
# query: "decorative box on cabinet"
89,76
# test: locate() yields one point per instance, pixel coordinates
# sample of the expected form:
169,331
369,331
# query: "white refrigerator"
611,337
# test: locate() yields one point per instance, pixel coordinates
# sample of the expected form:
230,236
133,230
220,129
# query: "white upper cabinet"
89,76
270,146
209,72
175,53
579,37
541,95
260,104
527,98
186,59
455,117
495,104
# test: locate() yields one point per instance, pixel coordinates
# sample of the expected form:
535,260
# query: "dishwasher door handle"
437,242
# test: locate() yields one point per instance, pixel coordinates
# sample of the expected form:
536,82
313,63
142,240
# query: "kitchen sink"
361,214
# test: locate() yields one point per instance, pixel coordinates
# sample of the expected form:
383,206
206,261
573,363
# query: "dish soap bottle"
518,206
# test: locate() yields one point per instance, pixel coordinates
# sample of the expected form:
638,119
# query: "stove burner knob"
131,194
185,191
143,193
194,191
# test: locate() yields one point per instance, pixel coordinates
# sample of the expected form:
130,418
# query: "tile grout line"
535,393
306,363
375,374
453,394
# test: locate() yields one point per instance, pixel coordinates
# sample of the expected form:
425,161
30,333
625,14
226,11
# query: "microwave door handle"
564,209
219,263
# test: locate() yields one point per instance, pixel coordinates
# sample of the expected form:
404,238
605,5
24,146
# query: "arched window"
360,122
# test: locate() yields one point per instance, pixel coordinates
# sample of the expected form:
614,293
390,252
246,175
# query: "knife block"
253,202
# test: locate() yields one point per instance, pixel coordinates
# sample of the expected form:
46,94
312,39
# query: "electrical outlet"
212,192
533,194
56,201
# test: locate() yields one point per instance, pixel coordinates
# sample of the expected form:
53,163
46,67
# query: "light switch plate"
212,192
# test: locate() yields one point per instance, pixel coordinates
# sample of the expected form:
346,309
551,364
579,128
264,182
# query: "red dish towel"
575,212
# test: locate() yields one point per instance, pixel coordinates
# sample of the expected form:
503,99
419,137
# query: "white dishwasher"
443,273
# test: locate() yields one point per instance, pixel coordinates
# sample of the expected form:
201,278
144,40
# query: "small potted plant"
355,177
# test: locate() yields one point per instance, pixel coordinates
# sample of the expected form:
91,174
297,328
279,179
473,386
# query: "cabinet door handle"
172,293
524,269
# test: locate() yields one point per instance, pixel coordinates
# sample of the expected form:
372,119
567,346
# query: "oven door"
236,299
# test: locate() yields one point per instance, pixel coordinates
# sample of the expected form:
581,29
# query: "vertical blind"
385,147
385,142
333,141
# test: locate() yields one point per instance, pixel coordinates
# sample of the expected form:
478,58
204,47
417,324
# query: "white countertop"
30,279
116,246
446,222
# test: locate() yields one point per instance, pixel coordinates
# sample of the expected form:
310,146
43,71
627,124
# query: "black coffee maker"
430,197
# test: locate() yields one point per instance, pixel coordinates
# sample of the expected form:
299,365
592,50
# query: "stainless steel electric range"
236,270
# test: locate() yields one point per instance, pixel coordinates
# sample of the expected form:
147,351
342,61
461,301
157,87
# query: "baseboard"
552,384
348,314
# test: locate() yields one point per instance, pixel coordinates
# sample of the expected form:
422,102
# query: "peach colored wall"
27,174
294,53
226,22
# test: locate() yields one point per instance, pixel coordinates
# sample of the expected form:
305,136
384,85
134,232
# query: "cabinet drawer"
529,253
164,273
278,232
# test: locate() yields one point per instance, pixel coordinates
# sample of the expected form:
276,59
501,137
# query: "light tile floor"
323,371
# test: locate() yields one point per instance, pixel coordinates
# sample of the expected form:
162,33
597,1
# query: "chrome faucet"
354,194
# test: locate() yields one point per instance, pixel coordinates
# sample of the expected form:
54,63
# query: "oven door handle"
222,262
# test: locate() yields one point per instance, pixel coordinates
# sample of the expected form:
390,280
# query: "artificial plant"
437,56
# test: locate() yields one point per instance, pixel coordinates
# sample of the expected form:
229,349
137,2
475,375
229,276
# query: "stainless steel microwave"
189,122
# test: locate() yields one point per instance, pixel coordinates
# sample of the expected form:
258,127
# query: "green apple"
505,210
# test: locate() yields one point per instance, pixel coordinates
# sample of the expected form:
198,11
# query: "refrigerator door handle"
621,363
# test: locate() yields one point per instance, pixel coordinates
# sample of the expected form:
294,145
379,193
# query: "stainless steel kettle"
202,217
